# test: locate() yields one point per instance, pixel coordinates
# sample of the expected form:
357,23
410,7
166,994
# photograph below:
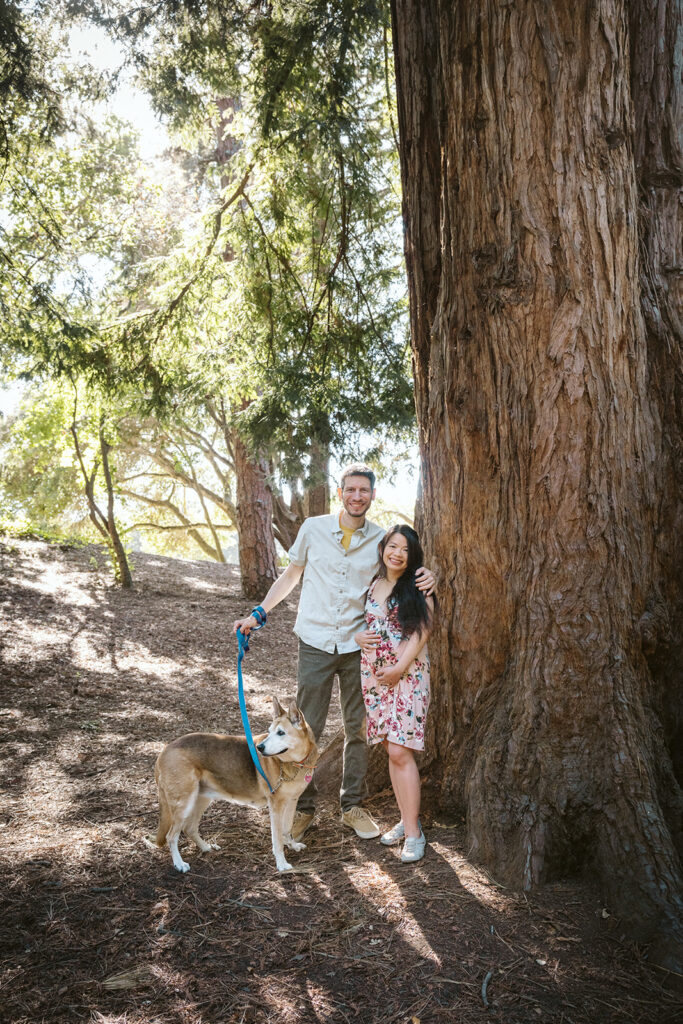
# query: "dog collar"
310,768
288,778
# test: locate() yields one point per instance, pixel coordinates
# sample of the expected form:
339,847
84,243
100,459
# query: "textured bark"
656,41
254,506
317,493
540,439
258,558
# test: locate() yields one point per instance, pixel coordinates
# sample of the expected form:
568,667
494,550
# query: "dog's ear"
294,713
278,710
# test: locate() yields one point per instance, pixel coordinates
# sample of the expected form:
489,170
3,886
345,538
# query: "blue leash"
243,646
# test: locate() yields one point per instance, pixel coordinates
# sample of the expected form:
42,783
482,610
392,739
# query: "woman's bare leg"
405,779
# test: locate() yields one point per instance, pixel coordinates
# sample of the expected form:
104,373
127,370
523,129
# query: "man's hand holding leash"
283,585
245,625
256,620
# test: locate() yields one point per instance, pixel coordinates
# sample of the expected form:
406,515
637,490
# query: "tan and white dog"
194,770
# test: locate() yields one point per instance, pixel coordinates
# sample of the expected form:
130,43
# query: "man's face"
356,495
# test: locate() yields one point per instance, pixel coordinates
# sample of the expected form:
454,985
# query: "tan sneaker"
361,823
302,822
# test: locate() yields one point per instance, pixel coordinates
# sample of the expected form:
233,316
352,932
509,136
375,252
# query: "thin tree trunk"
258,557
539,439
317,493
105,524
123,573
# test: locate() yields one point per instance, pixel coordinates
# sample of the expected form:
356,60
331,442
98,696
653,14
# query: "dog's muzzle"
261,747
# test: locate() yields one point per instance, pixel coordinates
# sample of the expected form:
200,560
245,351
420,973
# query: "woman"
395,676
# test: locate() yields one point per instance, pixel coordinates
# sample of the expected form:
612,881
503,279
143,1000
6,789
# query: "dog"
192,771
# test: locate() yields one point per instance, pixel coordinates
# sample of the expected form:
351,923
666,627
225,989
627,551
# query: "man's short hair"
357,469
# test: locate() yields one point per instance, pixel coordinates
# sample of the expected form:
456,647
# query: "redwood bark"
541,440
656,41
258,557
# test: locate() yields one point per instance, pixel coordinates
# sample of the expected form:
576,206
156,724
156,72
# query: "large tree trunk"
254,505
258,557
656,39
540,440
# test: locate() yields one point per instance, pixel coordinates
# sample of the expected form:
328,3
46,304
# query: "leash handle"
243,647
259,614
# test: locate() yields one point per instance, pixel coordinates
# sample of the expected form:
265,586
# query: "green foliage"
23,77
38,476
73,197
264,276
292,305
153,469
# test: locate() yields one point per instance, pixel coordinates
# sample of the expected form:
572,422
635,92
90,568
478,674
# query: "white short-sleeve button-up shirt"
332,601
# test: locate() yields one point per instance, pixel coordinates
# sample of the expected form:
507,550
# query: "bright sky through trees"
129,102
92,45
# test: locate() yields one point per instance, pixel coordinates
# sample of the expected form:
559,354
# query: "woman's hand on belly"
388,675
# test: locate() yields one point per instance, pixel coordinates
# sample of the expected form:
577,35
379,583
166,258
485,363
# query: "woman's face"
395,555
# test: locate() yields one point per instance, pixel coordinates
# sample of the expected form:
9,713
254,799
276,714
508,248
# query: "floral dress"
397,713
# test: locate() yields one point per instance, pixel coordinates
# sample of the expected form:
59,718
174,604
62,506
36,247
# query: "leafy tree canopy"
297,283
271,278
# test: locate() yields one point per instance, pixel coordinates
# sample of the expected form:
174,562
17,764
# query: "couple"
351,598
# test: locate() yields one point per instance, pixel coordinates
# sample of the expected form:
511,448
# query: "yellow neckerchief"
347,533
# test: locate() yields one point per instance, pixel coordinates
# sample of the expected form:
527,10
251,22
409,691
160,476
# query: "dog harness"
243,646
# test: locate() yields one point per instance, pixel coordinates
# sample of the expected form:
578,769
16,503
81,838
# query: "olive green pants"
317,670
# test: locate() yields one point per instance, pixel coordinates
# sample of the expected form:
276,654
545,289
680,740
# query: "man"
337,555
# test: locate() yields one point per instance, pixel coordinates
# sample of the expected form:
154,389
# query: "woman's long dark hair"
411,607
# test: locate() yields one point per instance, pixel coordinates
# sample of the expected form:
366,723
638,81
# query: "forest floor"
96,927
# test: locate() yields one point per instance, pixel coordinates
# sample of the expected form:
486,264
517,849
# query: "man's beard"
358,514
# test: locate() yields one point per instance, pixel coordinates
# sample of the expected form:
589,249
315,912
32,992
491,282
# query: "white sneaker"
413,848
394,835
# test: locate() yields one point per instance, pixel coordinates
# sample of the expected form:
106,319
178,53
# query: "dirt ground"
96,927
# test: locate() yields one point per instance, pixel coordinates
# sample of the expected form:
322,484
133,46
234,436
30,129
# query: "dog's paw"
207,847
297,847
284,866
182,866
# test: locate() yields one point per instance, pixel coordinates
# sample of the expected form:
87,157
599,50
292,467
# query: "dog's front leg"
276,832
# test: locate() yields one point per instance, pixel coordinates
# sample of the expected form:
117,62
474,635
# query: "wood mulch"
96,927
